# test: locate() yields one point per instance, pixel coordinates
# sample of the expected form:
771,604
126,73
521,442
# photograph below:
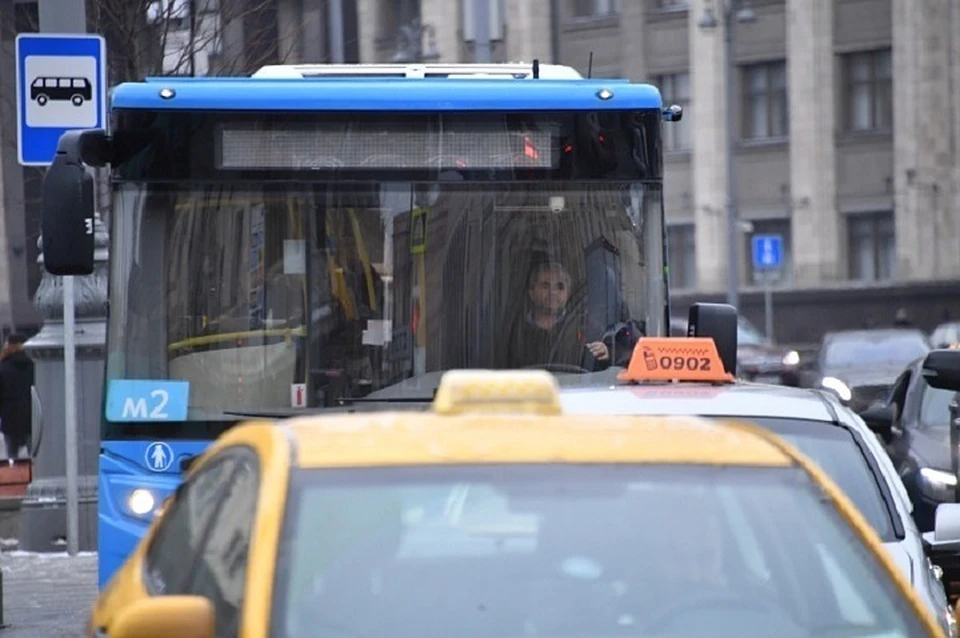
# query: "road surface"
46,595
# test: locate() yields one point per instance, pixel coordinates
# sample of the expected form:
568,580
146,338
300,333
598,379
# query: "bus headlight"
141,502
838,386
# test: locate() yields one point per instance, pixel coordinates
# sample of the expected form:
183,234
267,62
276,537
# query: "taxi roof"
741,399
365,440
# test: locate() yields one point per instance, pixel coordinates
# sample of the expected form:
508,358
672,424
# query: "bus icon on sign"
75,90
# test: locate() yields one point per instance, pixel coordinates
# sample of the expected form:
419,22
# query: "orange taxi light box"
676,359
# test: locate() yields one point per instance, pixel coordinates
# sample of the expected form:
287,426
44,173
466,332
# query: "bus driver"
548,332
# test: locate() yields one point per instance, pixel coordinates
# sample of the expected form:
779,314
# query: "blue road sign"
61,86
767,252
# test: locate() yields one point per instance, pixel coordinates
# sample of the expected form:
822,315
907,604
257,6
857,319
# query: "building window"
769,227
868,90
673,5
765,108
682,255
675,89
595,8
871,246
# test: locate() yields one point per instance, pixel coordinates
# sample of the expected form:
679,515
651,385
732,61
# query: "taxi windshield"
894,348
836,450
575,550
279,296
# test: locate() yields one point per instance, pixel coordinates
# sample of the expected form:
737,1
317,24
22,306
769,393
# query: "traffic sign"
61,86
158,456
767,252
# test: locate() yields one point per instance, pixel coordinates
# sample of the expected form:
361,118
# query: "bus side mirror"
67,219
879,418
941,369
673,113
719,322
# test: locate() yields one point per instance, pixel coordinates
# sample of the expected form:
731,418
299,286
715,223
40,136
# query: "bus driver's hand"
599,350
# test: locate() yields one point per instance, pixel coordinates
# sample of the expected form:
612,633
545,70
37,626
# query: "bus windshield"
280,295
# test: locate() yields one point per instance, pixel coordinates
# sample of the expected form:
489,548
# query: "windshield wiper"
344,405
387,400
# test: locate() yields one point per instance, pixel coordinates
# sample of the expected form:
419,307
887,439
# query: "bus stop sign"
61,86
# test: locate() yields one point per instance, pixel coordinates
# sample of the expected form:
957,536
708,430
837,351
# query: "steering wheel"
558,367
661,623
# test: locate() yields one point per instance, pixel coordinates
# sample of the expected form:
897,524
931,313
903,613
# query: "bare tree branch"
175,37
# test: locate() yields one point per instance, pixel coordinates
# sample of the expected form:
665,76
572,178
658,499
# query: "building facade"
846,119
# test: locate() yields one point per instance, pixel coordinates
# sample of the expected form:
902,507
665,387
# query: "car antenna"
590,66
536,69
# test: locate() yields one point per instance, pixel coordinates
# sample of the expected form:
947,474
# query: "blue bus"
332,238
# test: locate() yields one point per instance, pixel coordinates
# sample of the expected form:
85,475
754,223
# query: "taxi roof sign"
534,392
676,359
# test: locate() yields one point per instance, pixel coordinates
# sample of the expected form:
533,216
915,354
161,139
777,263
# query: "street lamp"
744,14
410,43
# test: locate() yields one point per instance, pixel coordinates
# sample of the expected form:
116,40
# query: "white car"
818,424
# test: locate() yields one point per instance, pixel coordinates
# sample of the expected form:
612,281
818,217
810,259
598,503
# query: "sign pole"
955,442
768,304
58,17
767,262
70,416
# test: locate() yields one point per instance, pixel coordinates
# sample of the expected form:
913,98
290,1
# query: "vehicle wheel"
41,99
77,100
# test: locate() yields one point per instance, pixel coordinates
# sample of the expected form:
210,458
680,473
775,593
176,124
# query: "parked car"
758,358
860,366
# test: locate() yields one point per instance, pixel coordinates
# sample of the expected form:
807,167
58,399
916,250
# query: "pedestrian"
901,319
16,400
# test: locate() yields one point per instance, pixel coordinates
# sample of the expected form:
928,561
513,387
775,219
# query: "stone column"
925,136
292,24
368,29
633,63
444,17
708,92
528,31
313,34
15,307
813,186
43,518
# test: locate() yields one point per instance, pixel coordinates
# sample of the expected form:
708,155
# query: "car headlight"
141,502
838,386
792,358
938,485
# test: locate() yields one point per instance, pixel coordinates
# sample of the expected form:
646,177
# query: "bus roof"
508,70
383,94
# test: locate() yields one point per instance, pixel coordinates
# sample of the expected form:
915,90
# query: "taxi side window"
176,544
221,566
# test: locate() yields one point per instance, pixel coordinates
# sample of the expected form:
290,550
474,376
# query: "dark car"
758,359
860,366
915,426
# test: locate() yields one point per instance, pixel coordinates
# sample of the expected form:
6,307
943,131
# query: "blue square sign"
61,86
767,252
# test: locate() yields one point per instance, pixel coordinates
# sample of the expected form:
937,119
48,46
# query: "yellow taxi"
495,514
